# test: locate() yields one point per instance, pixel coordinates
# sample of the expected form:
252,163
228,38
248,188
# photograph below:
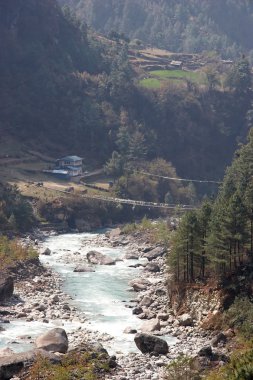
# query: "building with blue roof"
71,164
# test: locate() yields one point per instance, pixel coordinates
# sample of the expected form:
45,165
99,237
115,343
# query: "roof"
71,158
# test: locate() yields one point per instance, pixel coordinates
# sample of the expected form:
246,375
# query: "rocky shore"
41,299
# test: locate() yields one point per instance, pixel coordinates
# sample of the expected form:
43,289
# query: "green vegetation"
151,83
11,252
159,231
79,366
16,213
217,240
182,368
179,26
240,317
240,367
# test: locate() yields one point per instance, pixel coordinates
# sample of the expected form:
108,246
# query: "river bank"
42,302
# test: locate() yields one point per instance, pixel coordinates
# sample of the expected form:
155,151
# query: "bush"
182,368
240,317
78,366
12,251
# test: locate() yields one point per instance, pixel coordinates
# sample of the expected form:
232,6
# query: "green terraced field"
161,77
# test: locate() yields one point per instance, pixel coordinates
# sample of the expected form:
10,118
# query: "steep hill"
47,68
181,25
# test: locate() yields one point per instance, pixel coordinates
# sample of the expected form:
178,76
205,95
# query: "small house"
71,164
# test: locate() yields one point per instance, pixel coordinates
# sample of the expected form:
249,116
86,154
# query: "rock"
137,310
220,338
151,344
95,257
55,340
11,365
160,292
6,287
129,330
163,316
152,267
205,351
139,284
112,362
185,320
47,252
131,256
84,269
146,301
151,325
154,253
115,233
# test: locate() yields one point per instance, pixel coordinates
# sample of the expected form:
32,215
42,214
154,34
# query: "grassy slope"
161,77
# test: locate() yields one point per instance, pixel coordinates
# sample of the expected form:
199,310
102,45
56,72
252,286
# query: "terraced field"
159,78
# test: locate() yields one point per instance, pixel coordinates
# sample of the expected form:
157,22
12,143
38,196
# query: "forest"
179,26
64,86
217,239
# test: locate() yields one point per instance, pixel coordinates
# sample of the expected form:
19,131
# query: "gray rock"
151,344
47,252
152,267
185,320
146,301
84,269
156,252
6,287
131,256
99,258
220,338
129,330
139,284
55,340
151,325
137,310
205,351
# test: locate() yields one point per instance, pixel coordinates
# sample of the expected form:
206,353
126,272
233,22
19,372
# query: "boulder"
11,365
137,310
154,253
185,320
55,340
205,351
131,256
220,338
115,233
151,325
152,267
151,344
6,287
99,258
139,284
84,269
129,330
47,252
146,301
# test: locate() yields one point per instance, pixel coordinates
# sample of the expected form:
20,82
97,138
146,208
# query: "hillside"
180,26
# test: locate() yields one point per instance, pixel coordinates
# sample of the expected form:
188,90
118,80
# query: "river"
102,295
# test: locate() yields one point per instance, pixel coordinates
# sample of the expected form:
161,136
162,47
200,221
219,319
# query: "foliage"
181,26
240,317
218,238
182,368
159,231
239,368
82,366
16,213
12,251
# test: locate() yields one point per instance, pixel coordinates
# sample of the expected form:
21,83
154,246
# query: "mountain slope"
182,25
